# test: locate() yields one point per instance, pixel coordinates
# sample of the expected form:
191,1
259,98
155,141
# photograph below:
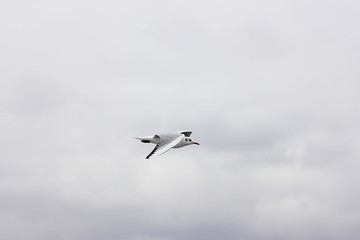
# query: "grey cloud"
269,89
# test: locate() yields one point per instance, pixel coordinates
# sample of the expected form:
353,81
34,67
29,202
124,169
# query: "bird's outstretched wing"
166,142
187,133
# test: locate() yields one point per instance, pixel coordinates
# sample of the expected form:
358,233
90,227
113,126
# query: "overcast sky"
270,89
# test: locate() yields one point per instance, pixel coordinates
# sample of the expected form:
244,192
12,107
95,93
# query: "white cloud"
270,90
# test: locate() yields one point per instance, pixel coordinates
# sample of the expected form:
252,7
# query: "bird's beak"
196,143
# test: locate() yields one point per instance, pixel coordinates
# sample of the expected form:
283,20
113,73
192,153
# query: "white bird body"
164,142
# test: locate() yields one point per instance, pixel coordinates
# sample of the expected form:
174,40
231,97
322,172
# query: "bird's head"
190,141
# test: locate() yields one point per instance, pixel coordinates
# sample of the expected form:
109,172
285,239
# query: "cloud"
269,89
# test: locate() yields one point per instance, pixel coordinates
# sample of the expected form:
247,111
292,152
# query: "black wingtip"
152,152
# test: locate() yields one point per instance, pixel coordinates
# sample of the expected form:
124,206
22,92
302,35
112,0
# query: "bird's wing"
166,142
187,133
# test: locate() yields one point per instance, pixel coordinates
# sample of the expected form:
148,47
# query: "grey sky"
270,89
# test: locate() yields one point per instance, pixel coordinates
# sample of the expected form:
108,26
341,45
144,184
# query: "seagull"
164,142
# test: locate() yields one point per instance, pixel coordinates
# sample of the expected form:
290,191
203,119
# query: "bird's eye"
185,139
190,139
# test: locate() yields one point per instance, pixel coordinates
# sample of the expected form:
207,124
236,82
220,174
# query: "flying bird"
164,142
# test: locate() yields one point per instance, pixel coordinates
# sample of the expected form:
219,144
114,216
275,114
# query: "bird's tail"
148,139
